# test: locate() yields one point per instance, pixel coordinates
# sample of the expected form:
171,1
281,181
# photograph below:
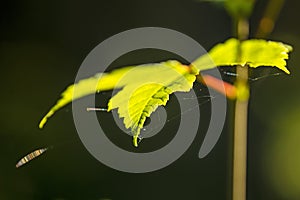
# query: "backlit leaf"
85,87
254,52
145,87
139,98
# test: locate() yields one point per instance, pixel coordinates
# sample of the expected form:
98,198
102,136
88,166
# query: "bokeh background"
43,44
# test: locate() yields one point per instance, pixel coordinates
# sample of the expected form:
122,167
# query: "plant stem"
240,123
240,151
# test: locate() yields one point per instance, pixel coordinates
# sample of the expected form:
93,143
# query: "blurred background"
43,43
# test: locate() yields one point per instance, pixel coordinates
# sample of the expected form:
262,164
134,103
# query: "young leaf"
239,8
255,53
235,8
99,82
146,89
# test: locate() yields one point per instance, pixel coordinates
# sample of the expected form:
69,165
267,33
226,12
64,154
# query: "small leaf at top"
254,52
239,8
235,8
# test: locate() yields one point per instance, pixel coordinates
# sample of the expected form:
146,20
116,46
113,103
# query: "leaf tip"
288,47
135,141
287,71
45,118
42,123
284,68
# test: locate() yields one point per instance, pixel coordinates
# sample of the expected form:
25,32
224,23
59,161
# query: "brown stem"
240,123
269,18
241,108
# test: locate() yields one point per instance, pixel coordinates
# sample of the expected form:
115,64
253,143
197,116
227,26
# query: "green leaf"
149,89
235,8
99,82
254,53
239,8
144,88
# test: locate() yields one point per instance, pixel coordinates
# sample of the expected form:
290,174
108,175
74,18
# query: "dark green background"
42,46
